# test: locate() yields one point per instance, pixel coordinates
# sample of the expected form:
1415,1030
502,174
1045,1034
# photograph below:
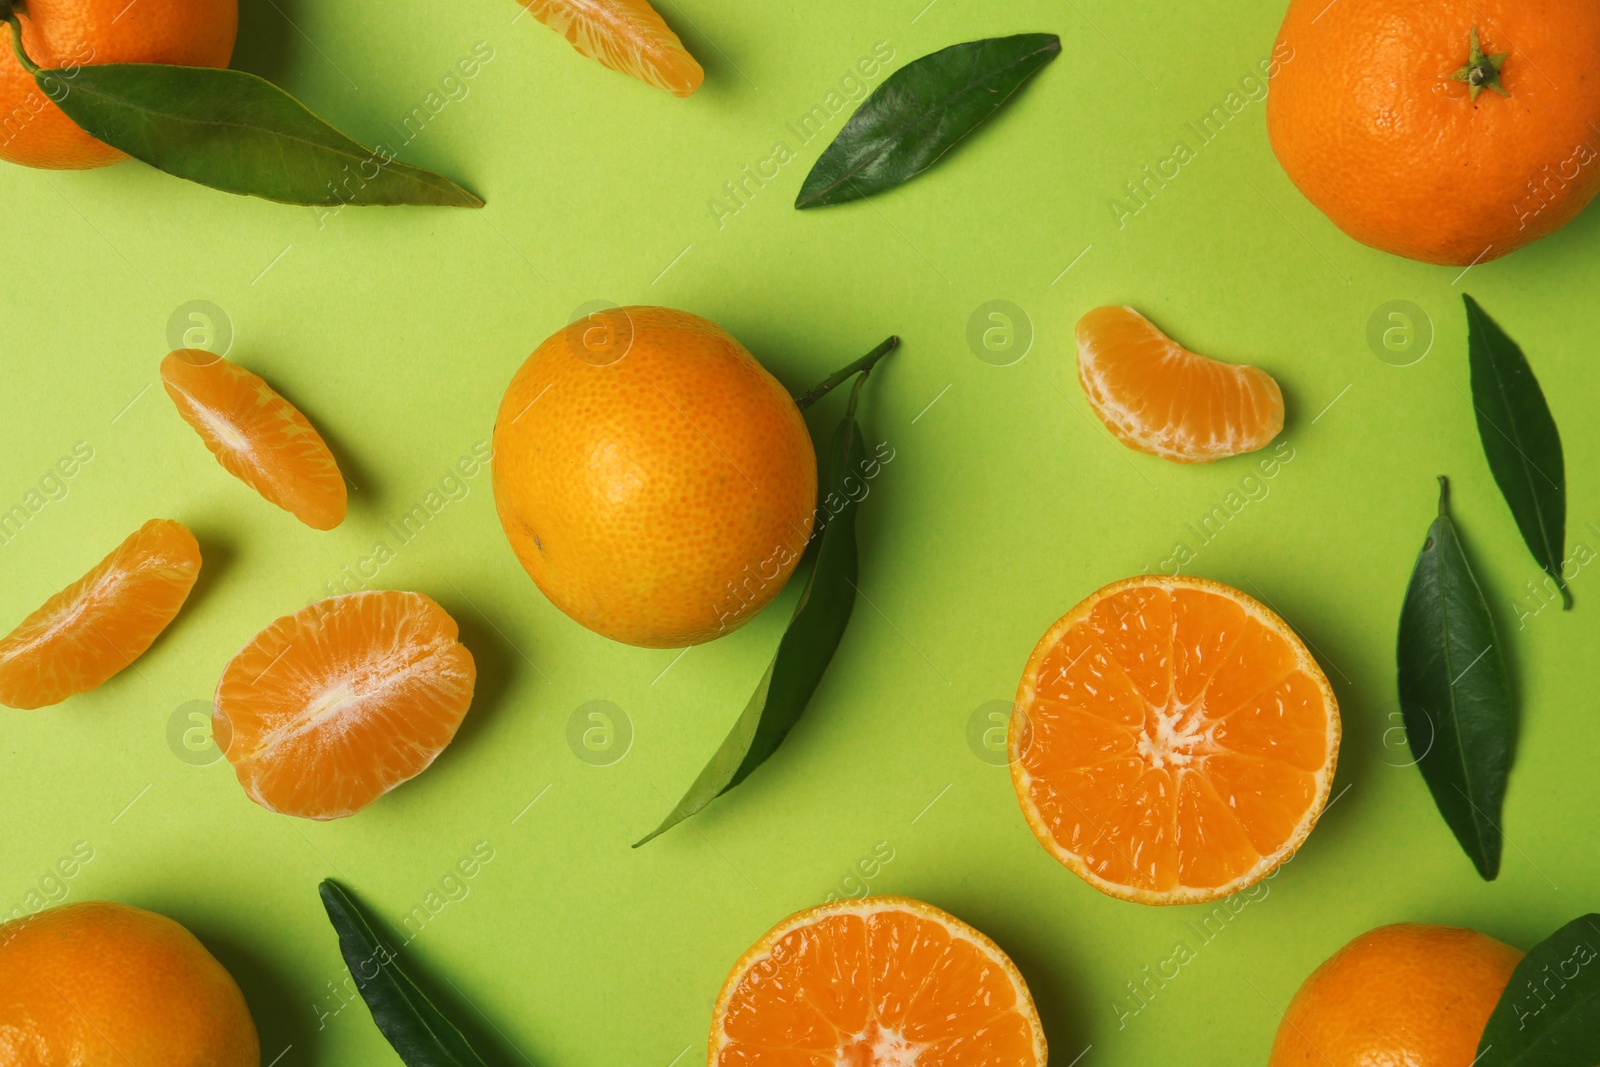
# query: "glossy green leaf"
1549,1014
920,112
418,1031
814,632
1454,696
236,132
1520,440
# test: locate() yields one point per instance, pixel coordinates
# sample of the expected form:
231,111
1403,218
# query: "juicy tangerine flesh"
328,709
258,436
626,35
1364,117
97,984
1410,994
1158,397
104,621
655,481
880,982
67,33
1174,741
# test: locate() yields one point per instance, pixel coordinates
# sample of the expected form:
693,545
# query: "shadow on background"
264,37
284,1017
1056,994
497,662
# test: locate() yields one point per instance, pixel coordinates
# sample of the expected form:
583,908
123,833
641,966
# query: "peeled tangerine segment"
330,708
882,980
104,621
257,435
1174,741
625,35
1158,397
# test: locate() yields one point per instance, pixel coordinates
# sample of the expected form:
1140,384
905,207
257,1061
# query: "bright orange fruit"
104,621
1173,741
257,435
328,709
658,484
625,35
98,984
879,982
1158,397
1406,994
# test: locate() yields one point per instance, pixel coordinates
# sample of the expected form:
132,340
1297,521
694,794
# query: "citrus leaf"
1520,440
236,132
920,112
1549,1014
814,632
1454,697
418,1031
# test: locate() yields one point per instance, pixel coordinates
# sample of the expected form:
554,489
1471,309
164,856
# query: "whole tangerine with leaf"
656,482
1447,131
1411,993
65,35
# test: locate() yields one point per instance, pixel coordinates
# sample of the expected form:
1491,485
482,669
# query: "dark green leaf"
1520,440
1454,697
808,644
1549,1014
920,112
418,1031
239,133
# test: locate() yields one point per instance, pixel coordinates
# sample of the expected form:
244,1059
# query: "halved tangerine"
257,435
104,621
879,982
626,35
330,708
1158,397
1172,740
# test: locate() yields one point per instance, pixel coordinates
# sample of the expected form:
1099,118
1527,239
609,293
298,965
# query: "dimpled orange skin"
660,499
1366,120
98,984
68,33
1408,995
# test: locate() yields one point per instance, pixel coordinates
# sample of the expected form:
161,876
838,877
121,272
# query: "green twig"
861,366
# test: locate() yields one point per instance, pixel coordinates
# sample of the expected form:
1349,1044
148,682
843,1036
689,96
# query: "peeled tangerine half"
1158,397
330,708
258,436
102,622
625,35
881,981
1173,741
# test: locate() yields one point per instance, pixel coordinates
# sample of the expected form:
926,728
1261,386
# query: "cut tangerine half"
878,982
626,35
104,621
330,708
1158,397
1173,741
257,435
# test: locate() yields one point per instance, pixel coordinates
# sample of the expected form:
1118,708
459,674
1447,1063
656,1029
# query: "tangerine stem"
8,13
862,365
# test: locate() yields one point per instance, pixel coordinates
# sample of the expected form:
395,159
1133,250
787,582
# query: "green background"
396,330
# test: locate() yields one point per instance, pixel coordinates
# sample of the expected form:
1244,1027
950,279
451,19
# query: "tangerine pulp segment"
328,709
1158,397
879,982
104,621
258,436
1173,741
626,35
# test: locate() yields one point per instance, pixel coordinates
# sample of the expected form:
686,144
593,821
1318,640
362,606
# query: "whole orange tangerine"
655,481
98,984
1408,994
1449,131
67,34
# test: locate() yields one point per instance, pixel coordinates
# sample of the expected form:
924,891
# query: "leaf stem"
862,366
1444,497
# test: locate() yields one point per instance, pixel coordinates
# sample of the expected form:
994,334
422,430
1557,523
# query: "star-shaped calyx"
1481,72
